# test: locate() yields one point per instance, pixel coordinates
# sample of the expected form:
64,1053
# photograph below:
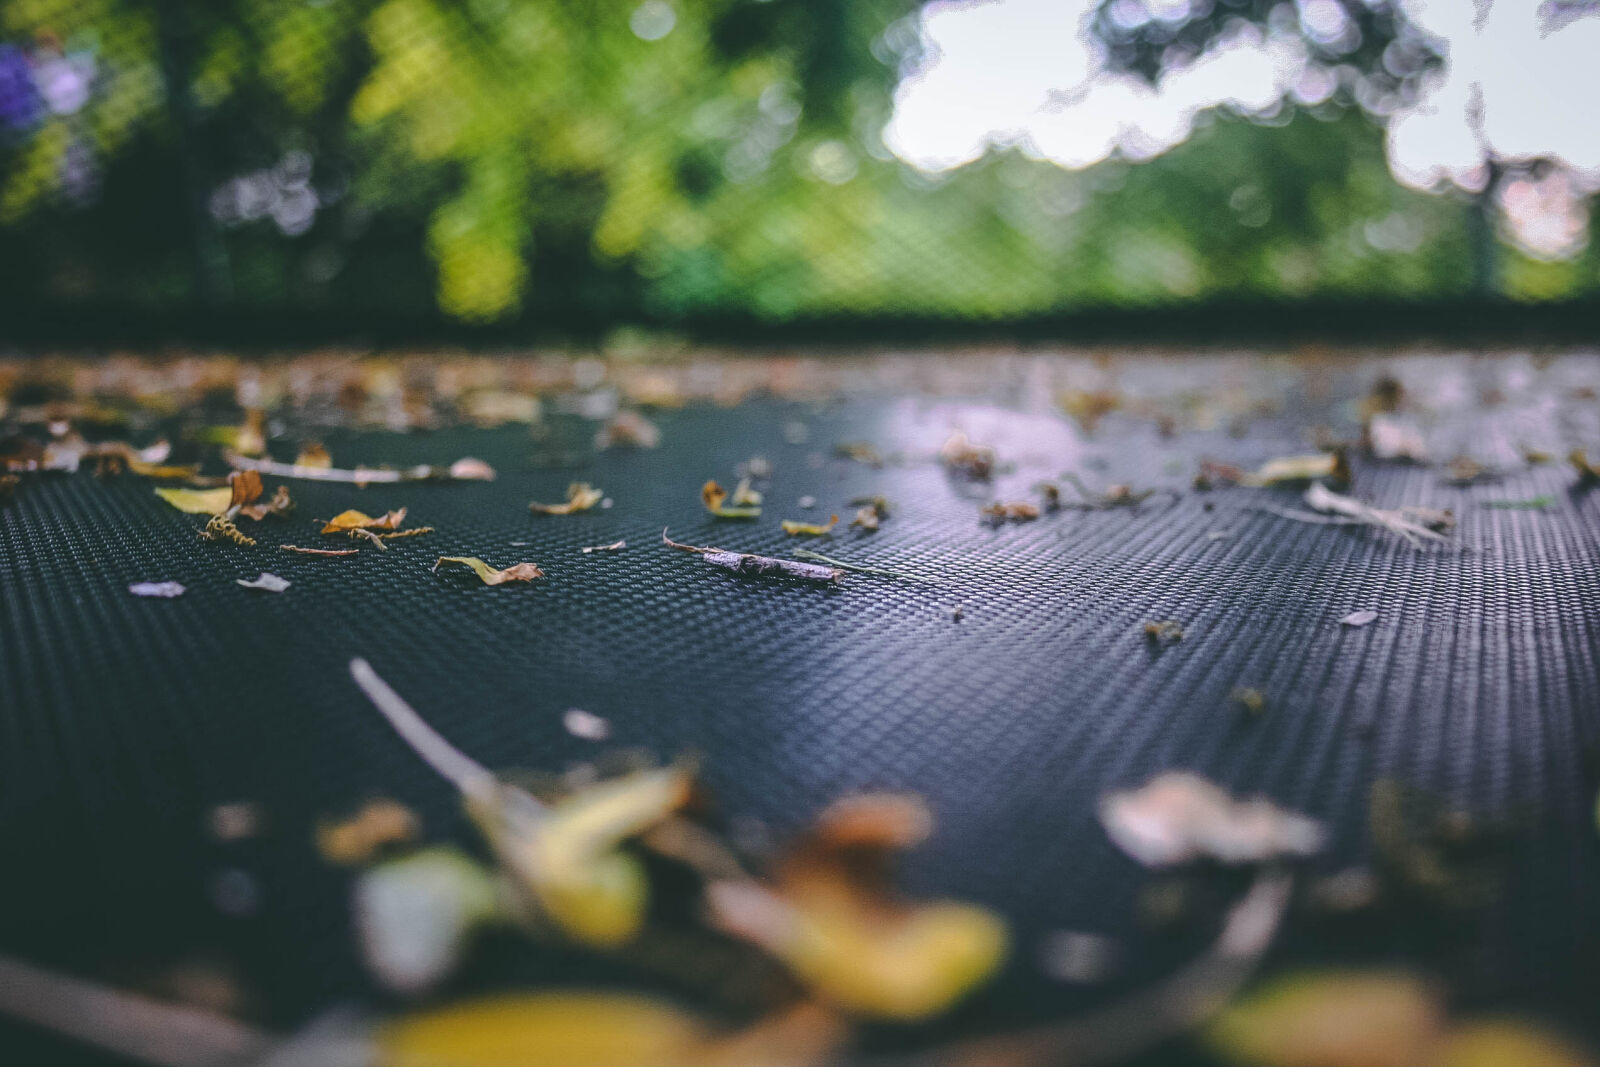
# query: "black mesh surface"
125,719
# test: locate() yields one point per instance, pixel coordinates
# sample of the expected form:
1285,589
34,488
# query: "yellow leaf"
830,916
1332,1019
581,496
198,501
568,859
356,520
809,529
555,1029
1499,1042
1288,470
517,572
713,495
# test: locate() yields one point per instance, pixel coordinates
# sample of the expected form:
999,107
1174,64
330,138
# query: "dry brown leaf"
280,504
830,915
356,520
1016,511
794,528
378,826
517,572
315,457
713,495
581,496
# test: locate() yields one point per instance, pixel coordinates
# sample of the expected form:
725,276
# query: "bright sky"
1019,72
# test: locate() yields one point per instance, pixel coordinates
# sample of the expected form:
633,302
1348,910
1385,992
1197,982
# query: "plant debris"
999,513
156,589
581,496
795,528
1414,525
763,566
320,551
198,501
860,452
380,825
960,456
828,913
744,496
627,429
222,528
269,583
1588,473
713,495
565,856
1164,632
585,724
346,521
856,568
1533,503
517,572
615,546
1358,618
414,915
1115,496
1178,817
462,470
1251,701
1333,466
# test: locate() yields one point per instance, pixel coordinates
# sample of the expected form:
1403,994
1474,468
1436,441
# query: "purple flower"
19,98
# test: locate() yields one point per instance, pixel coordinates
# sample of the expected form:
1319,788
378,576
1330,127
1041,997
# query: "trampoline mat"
126,720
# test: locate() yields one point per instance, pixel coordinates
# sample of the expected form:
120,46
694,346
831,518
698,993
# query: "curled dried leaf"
356,520
517,572
581,496
961,456
615,546
280,504
999,513
713,496
222,528
795,528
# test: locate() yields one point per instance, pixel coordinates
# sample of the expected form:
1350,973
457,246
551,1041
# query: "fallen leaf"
1178,817
320,551
829,914
314,456
380,824
999,513
271,583
744,496
628,429
280,504
517,572
1164,632
564,856
413,916
198,501
356,520
581,496
713,495
795,528
1358,618
156,589
566,1029
244,488
960,455
222,528
587,725
1333,1019
1289,470
615,546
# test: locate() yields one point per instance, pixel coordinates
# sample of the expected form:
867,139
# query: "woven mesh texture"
125,719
